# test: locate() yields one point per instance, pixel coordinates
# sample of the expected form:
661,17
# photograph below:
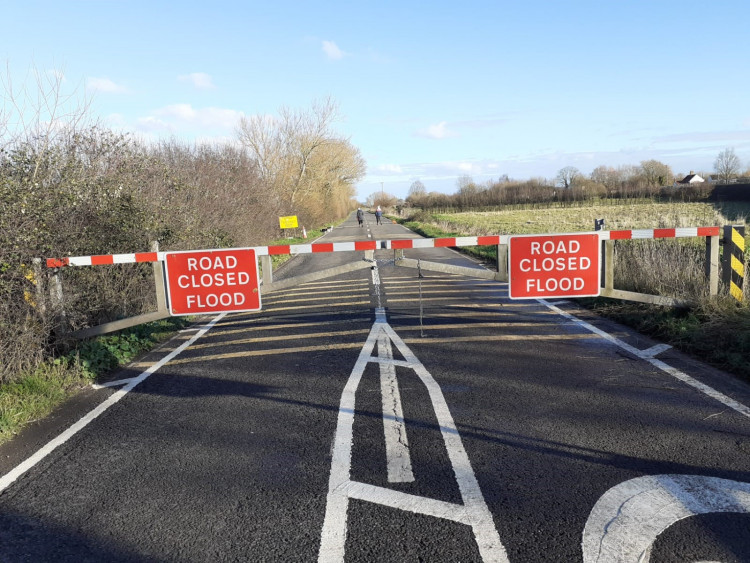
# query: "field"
573,219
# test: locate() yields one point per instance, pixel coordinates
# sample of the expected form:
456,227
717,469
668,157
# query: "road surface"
383,416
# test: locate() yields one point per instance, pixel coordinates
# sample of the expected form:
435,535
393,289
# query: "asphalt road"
383,416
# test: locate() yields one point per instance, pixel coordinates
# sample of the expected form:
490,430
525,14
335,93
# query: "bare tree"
417,189
657,173
39,112
299,156
566,176
727,165
382,199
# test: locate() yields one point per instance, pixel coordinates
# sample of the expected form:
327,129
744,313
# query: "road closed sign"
212,281
565,265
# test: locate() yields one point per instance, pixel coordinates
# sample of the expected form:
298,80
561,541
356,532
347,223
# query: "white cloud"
389,169
104,85
177,117
151,123
199,80
437,131
332,51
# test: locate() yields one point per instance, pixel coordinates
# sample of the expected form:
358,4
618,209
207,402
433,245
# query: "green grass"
103,354
34,395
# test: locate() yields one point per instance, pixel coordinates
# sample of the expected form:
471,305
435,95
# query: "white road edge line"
10,477
647,355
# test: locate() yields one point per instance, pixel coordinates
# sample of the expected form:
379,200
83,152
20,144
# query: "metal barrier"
264,253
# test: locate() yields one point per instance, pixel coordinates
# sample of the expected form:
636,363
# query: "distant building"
691,178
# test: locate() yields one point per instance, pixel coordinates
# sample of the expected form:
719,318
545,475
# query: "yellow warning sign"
289,222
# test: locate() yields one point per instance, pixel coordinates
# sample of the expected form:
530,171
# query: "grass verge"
34,395
716,332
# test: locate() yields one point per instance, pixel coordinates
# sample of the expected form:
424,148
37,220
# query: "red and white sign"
544,266
212,281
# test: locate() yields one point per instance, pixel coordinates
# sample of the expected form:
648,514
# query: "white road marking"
116,383
473,512
376,283
647,355
396,442
654,350
23,467
627,519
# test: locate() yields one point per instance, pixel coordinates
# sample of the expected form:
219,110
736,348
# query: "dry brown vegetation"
70,188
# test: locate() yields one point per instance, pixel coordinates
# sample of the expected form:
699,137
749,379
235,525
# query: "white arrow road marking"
626,520
473,512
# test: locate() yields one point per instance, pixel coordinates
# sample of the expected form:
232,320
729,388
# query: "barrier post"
39,276
734,259
159,284
266,268
607,255
609,264
56,303
712,264
502,263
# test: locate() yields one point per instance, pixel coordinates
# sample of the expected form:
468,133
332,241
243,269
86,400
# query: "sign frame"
515,278
249,266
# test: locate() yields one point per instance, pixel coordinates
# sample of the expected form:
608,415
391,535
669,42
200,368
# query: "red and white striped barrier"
661,233
396,244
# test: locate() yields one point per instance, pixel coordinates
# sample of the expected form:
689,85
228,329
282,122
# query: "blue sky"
427,90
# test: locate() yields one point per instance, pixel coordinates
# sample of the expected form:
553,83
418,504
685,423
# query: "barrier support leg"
266,267
712,264
159,285
609,264
40,278
56,303
502,262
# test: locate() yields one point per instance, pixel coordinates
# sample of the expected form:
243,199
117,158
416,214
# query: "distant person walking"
378,215
360,216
